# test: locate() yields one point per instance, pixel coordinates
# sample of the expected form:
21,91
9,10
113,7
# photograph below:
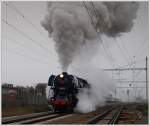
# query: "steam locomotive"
64,89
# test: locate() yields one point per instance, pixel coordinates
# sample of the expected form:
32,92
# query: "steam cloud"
70,26
76,39
101,87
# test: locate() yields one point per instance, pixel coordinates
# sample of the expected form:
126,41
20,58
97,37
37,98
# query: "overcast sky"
26,61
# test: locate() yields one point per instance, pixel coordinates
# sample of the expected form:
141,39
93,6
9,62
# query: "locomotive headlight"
61,75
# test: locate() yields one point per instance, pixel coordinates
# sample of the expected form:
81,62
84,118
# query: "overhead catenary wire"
137,61
97,14
123,54
129,58
21,45
138,73
126,50
142,51
140,47
25,35
137,53
122,51
107,45
25,56
126,58
19,53
92,22
84,5
12,6
107,54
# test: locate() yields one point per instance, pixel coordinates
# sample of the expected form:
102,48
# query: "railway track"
31,118
110,116
100,116
105,115
12,119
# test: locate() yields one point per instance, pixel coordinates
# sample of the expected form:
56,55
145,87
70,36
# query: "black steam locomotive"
65,88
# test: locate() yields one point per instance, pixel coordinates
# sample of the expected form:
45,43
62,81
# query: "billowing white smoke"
101,87
70,26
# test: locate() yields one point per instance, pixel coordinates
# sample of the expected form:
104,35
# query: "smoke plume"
75,28
101,87
70,24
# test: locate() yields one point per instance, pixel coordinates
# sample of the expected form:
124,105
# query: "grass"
14,111
145,109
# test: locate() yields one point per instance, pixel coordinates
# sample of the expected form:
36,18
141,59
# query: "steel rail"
100,117
12,119
116,116
55,119
39,119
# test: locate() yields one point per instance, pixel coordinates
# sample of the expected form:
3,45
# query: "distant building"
23,96
41,88
9,90
9,94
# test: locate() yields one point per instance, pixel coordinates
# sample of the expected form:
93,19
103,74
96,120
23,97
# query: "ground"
13,111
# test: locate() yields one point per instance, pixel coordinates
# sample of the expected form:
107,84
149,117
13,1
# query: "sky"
31,58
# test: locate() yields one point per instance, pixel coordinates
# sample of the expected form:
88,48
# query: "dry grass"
13,111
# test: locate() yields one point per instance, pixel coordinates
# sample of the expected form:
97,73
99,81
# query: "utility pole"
128,94
120,78
147,79
115,92
134,75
